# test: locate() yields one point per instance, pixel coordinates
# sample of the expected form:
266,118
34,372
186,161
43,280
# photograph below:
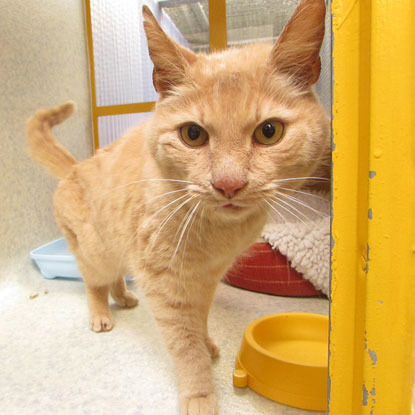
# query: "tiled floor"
51,363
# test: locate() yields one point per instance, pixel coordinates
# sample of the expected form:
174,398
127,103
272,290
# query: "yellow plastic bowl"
285,358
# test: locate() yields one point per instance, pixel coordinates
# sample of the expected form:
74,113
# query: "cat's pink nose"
229,186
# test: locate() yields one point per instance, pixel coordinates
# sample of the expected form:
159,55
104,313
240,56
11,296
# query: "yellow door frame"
373,230
372,311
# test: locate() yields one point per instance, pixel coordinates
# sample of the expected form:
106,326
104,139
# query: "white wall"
43,63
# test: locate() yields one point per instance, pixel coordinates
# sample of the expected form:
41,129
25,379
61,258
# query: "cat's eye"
269,132
193,135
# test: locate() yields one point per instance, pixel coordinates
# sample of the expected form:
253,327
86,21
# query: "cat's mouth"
232,206
233,210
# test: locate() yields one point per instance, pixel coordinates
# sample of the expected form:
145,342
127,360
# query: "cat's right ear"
169,58
296,51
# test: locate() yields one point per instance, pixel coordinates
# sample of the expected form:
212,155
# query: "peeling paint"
365,396
380,302
377,154
373,407
373,356
373,395
328,388
370,213
372,174
367,259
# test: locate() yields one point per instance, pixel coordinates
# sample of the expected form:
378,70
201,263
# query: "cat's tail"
43,147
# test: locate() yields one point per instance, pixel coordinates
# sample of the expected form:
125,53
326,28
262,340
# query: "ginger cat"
177,198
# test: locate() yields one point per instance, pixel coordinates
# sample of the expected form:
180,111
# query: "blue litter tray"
55,260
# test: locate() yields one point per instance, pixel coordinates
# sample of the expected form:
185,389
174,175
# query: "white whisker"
304,193
141,181
187,214
292,207
182,233
188,233
135,234
275,210
167,193
295,200
145,222
300,178
200,224
289,211
170,215
166,206
165,221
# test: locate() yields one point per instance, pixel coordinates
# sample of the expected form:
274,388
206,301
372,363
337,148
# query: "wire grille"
247,22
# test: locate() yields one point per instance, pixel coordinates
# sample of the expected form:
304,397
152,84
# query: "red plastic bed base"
266,270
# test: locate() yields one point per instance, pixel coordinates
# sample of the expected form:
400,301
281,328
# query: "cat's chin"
231,211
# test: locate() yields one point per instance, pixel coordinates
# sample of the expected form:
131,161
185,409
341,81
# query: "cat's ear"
169,58
296,51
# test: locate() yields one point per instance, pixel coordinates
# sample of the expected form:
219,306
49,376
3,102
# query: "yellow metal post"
88,23
390,315
125,108
217,25
373,256
349,226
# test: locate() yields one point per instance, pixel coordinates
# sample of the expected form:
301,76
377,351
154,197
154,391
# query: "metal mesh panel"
324,84
247,22
119,67
123,69
112,127
192,20
256,21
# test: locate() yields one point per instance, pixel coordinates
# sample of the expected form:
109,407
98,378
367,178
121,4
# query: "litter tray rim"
35,255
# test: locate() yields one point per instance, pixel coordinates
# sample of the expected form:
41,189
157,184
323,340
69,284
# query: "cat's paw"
199,405
101,323
212,347
127,299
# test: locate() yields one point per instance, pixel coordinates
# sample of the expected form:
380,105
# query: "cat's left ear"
296,51
169,58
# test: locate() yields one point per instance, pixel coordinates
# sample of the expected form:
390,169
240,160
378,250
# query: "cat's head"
235,122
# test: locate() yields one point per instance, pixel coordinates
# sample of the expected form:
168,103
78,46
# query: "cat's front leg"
183,325
212,347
